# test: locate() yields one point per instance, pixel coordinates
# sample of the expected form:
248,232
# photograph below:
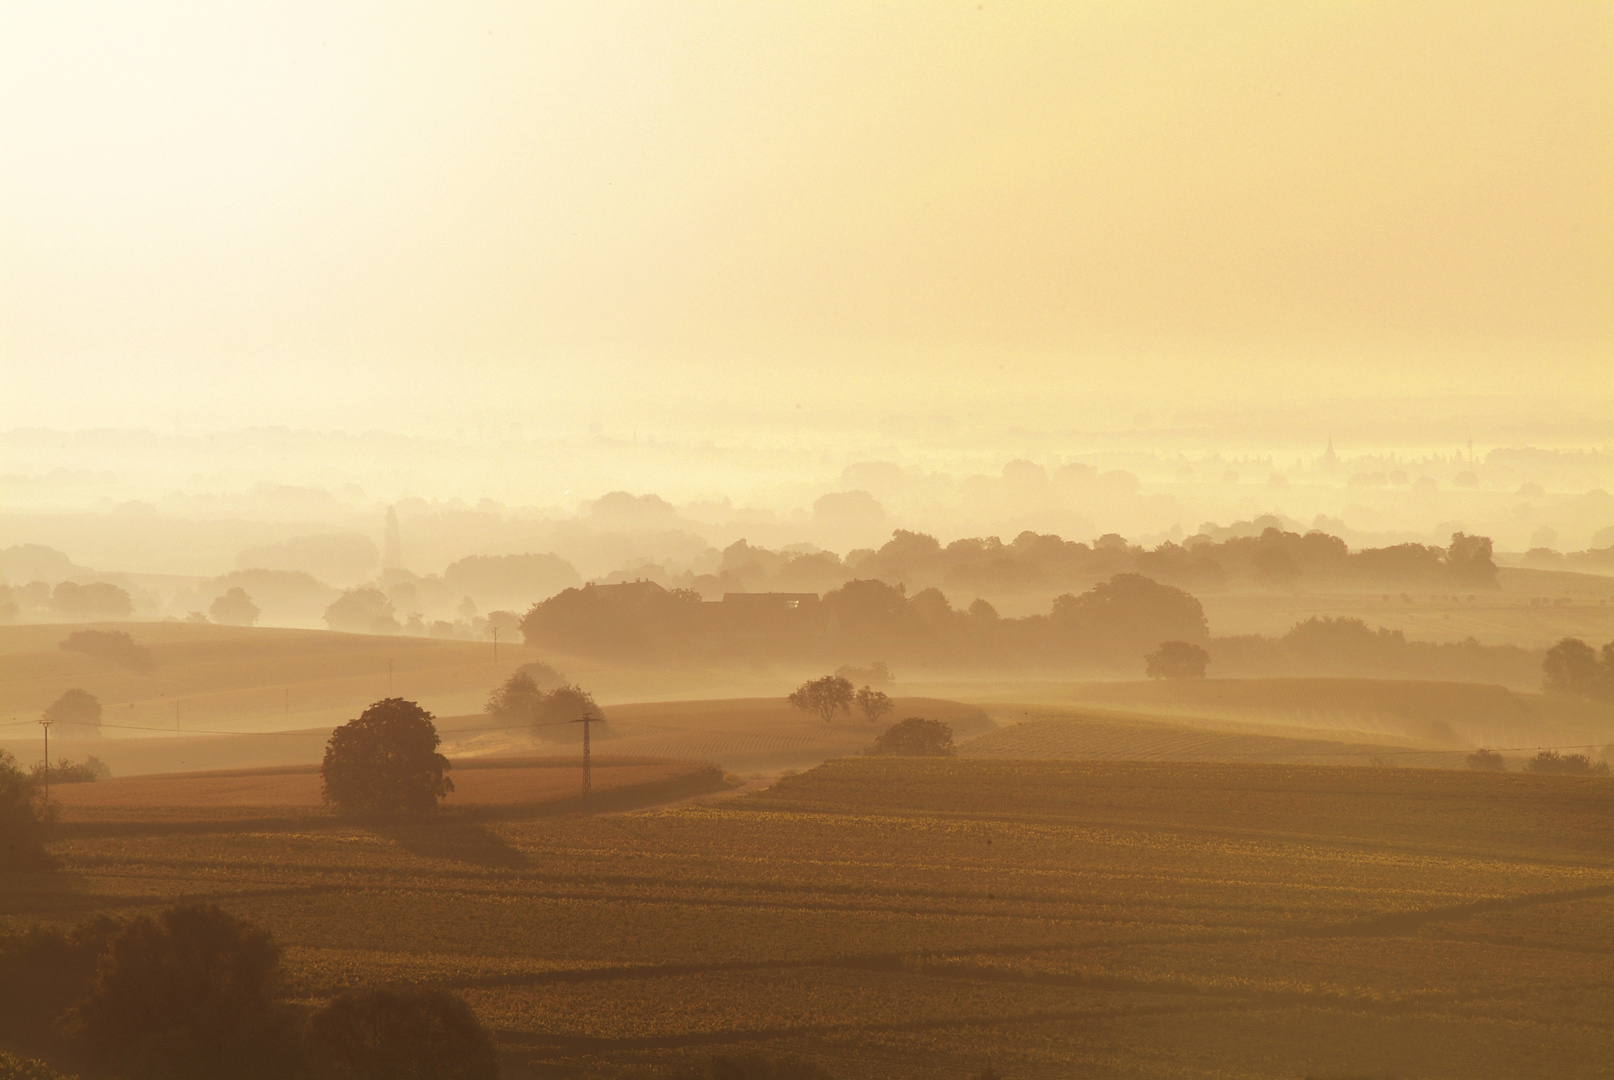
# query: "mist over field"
806,542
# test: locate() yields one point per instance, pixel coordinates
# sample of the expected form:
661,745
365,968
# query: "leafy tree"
824,697
915,737
517,698
873,704
362,611
1131,612
190,993
386,761
562,705
97,600
1574,669
1488,760
1176,660
234,608
393,1035
78,708
22,831
1469,562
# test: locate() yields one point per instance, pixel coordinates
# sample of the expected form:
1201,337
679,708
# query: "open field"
1429,715
208,677
477,783
927,918
1532,608
1043,733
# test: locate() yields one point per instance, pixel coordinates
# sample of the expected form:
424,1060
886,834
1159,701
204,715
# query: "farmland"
928,918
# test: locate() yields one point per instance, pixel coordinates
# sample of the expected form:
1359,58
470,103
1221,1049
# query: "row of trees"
1108,627
1113,622
831,694
1267,557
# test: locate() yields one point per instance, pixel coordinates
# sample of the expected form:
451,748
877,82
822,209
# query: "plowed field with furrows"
1081,736
927,918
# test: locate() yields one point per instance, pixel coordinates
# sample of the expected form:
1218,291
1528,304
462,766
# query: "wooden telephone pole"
588,779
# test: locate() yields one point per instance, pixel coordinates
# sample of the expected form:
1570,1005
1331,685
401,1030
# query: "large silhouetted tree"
386,761
823,697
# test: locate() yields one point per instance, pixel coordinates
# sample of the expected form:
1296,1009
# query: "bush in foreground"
15,1068
393,1035
190,993
915,737
386,761
22,829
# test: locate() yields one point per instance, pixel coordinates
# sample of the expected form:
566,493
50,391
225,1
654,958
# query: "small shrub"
915,737
67,771
1488,760
392,1035
1550,761
113,645
1176,660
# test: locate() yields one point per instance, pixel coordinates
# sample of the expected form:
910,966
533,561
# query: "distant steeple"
391,543
1330,460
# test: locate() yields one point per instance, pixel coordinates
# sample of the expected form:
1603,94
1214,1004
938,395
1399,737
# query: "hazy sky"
354,214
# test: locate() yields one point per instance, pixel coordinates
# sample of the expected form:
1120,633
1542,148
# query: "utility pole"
588,779
496,649
389,676
46,725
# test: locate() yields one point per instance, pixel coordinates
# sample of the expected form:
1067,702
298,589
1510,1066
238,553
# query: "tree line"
1274,558
1112,626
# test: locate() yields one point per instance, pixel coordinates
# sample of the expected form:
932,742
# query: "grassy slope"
1430,715
903,918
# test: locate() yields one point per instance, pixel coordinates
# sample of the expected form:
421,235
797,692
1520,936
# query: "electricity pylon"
588,779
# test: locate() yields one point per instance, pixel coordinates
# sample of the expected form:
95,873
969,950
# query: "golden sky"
296,213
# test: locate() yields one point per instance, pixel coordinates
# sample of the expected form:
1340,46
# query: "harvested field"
1119,737
930,918
484,782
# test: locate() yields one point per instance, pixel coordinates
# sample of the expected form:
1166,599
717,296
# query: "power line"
278,731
